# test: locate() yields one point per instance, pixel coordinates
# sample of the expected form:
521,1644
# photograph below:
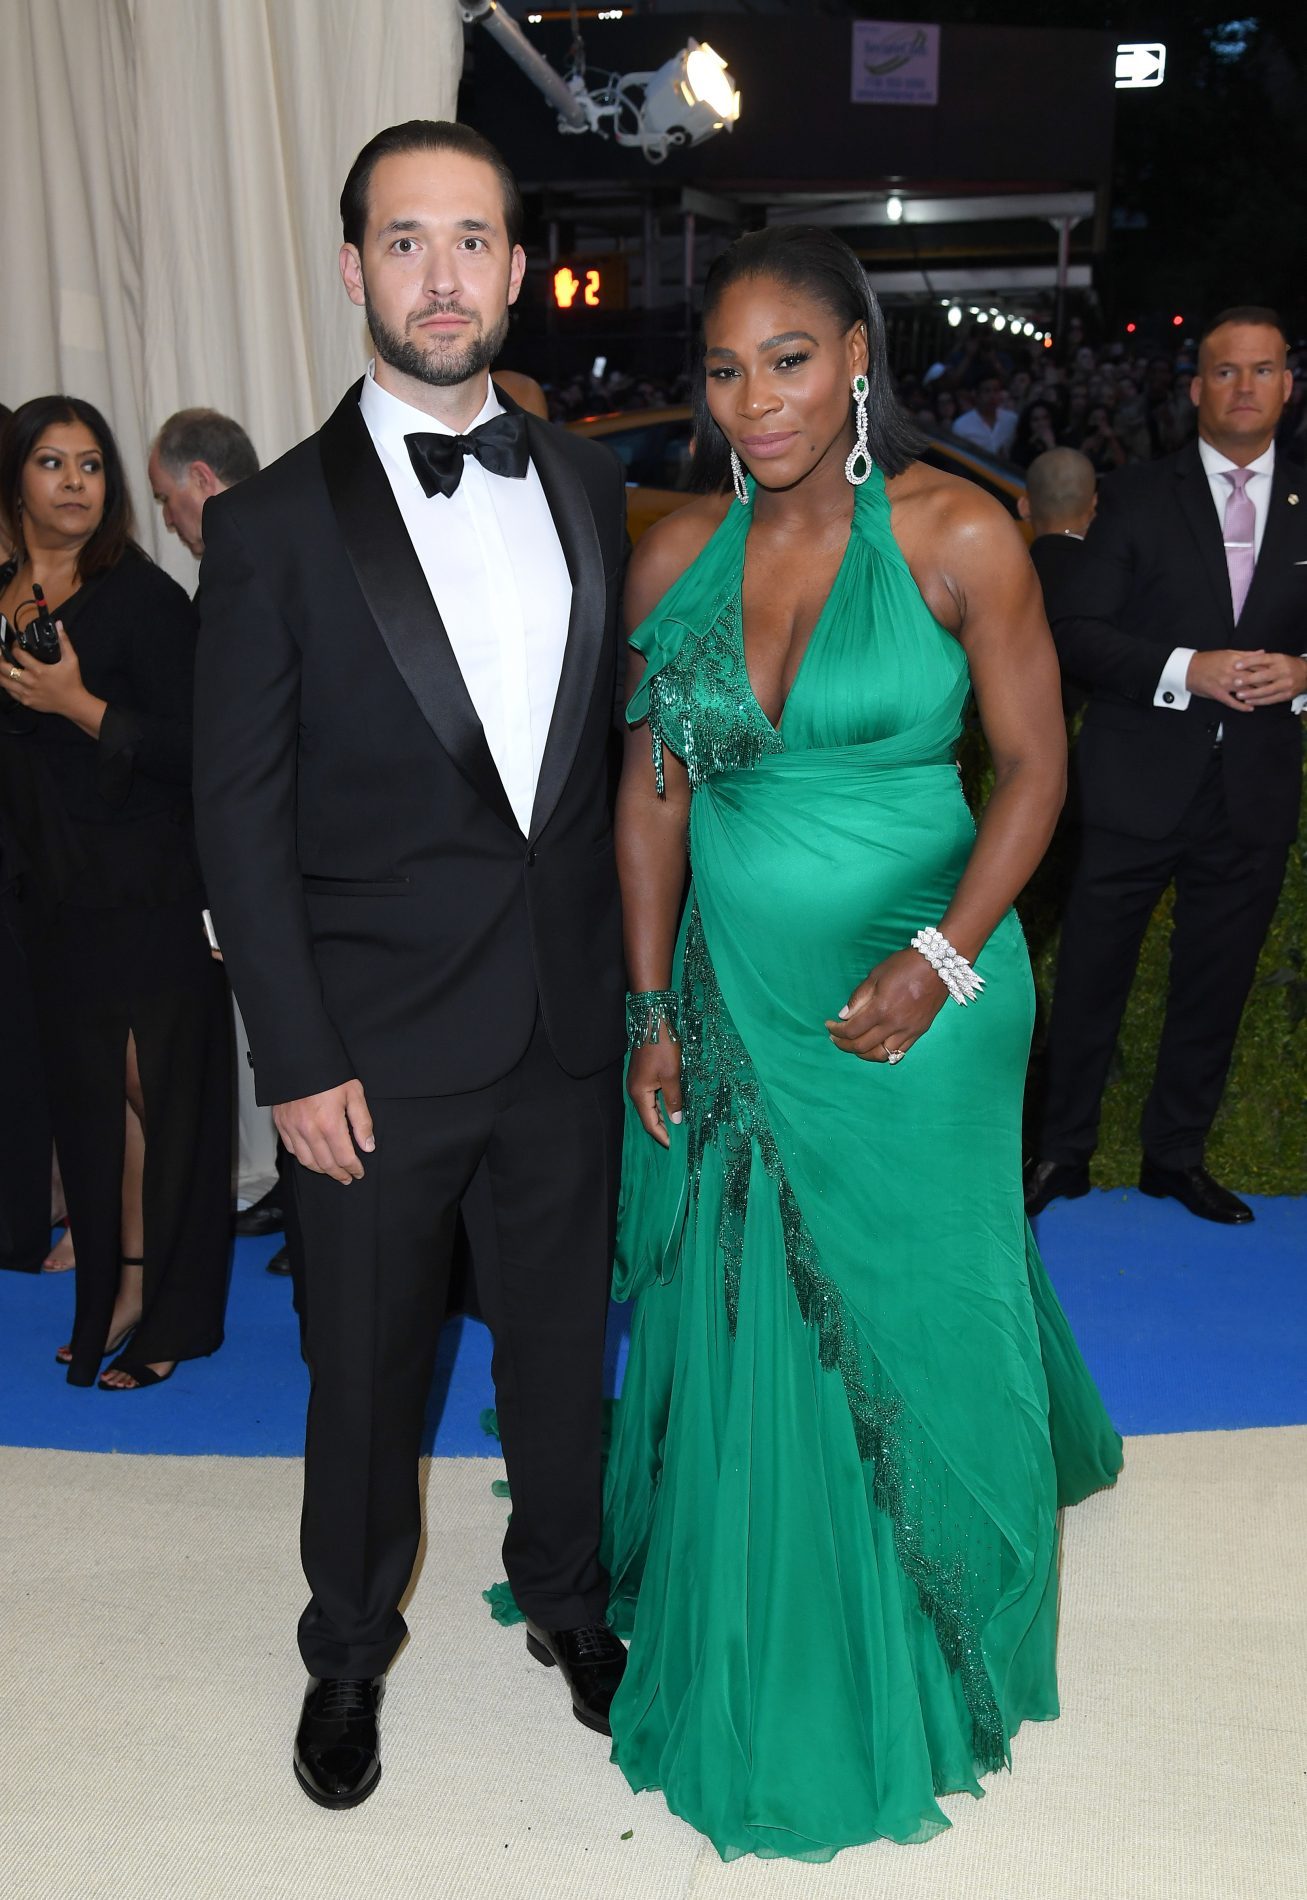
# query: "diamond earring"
737,478
858,466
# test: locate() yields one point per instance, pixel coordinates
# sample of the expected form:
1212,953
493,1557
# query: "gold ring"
15,672
894,1055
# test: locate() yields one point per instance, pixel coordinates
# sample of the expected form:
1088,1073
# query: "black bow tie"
499,445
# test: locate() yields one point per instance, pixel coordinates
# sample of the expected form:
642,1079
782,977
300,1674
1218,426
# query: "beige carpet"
150,1686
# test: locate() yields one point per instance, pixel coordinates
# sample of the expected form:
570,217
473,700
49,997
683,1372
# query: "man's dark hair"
205,435
1258,313
24,429
425,135
806,258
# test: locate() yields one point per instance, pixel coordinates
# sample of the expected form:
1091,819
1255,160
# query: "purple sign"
895,63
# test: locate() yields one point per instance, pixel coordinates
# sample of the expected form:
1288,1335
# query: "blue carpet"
1187,1327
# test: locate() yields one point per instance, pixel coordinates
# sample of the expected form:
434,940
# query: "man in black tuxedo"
1189,629
405,697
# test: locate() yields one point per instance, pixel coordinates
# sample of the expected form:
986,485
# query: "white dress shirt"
1172,694
995,438
495,567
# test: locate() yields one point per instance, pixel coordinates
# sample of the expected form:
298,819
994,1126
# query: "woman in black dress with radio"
95,766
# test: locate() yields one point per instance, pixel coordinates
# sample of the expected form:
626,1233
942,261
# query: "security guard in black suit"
1189,630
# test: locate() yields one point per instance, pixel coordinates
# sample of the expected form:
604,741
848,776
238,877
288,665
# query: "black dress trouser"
1226,891
377,1264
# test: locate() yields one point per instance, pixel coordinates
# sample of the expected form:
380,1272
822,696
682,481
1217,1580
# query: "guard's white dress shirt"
1172,694
495,567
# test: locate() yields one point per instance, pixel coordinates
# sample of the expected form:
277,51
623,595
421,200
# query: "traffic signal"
589,284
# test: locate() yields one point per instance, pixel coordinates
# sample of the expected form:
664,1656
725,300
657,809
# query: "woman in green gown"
852,1405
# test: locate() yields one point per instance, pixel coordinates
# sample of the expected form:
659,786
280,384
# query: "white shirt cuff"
1172,693
1298,704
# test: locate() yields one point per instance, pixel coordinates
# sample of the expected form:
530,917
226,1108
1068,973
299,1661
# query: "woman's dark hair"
808,259
19,437
425,135
1024,446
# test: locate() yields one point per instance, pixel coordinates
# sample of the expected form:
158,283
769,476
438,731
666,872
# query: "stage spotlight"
1000,322
1027,329
684,102
894,210
954,316
982,316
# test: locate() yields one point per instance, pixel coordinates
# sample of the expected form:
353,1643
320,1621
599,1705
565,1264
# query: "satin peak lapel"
395,589
570,507
1195,494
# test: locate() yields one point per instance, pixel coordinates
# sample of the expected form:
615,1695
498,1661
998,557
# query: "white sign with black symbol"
1139,65
895,63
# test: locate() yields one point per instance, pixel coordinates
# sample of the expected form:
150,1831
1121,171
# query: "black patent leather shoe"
264,1216
593,1662
337,1750
280,1262
1195,1189
1046,1181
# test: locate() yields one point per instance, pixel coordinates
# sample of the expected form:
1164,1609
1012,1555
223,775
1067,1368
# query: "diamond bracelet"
647,1011
949,965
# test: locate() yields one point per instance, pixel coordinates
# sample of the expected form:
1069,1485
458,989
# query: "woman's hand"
897,1003
654,1069
55,689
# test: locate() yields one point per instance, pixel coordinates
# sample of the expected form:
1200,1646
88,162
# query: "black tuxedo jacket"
1154,578
380,911
1059,561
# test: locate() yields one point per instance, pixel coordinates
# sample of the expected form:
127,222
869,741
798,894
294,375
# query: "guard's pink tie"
1240,530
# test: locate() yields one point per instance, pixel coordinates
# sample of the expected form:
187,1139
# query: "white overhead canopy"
995,207
981,280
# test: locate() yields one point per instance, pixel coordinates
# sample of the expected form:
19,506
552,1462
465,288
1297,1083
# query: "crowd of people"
1116,402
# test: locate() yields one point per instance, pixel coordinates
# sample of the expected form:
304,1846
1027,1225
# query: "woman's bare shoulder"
929,501
665,550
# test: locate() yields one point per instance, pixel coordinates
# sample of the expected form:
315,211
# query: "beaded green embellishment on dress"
725,1108
702,708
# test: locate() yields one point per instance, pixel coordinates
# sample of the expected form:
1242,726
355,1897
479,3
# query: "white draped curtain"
168,217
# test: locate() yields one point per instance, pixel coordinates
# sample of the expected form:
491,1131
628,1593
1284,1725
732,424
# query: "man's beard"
445,365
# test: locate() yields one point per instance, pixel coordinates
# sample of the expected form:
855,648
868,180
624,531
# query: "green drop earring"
858,466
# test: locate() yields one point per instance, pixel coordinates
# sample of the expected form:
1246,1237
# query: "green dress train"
852,1404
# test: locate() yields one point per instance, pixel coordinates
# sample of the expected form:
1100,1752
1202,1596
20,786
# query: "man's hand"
1219,675
322,1131
1268,679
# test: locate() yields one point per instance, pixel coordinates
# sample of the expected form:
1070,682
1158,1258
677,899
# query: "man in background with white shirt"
1190,630
405,696
987,426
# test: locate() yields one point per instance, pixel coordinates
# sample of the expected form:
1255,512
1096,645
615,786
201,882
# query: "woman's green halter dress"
852,1405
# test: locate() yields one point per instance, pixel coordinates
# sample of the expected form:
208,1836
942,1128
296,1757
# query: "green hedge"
1259,1141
